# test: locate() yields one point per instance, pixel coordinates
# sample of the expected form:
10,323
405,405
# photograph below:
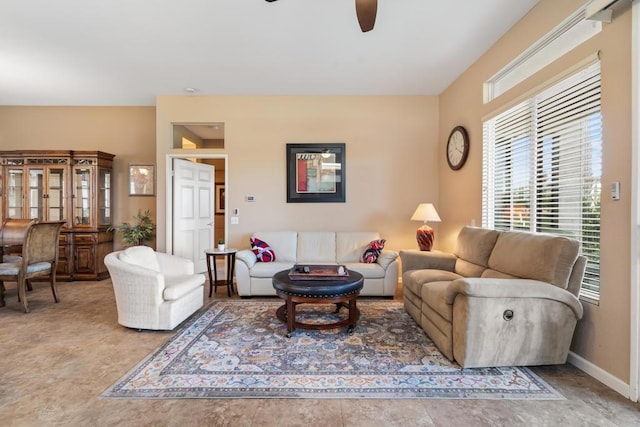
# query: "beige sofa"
503,298
316,247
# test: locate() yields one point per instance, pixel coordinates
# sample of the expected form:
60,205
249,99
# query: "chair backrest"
15,229
41,243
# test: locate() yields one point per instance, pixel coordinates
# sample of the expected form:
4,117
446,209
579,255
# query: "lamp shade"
426,212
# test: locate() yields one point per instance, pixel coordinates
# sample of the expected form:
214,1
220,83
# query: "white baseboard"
599,374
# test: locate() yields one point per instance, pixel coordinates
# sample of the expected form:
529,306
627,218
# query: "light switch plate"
615,191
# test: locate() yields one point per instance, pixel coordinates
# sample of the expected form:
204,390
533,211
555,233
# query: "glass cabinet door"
55,194
15,193
82,196
35,199
104,197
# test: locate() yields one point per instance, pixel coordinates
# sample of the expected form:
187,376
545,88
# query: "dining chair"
39,258
14,230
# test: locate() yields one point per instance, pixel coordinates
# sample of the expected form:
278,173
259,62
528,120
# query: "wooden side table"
230,255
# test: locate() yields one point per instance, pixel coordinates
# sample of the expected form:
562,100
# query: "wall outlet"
234,220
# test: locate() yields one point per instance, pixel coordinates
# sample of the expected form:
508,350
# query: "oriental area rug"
239,349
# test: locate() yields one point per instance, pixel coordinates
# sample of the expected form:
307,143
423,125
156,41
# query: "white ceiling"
125,52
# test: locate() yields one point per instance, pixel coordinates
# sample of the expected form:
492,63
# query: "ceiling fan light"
366,11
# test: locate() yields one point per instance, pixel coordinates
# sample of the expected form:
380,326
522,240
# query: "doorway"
221,177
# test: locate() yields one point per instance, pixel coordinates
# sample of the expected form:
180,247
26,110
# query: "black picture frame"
316,173
219,198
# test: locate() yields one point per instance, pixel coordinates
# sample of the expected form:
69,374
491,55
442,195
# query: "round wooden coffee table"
342,292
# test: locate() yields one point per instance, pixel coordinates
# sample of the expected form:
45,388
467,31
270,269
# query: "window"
542,165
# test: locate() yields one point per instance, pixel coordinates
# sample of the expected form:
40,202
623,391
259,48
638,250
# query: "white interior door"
193,210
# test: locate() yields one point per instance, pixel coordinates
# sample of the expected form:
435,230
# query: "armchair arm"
136,286
420,260
513,288
386,257
172,265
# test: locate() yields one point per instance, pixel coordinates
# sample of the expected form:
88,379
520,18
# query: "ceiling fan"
366,11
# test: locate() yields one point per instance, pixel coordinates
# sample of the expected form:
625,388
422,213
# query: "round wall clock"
457,147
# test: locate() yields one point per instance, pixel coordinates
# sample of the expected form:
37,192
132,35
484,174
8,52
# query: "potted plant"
221,244
137,233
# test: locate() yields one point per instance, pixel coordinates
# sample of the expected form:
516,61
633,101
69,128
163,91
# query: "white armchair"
154,290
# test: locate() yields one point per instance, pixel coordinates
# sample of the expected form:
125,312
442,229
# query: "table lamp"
425,234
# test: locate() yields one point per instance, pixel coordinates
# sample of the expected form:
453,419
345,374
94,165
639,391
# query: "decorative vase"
220,247
424,236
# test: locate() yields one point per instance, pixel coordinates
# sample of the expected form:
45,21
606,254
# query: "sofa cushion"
316,247
175,287
268,269
368,271
474,245
351,245
264,252
283,243
372,251
493,274
468,269
144,256
535,256
415,279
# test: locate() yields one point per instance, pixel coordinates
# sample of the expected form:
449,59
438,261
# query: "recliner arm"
512,288
421,260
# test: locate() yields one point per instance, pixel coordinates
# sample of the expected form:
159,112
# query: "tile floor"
57,360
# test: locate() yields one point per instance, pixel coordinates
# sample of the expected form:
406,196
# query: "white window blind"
542,167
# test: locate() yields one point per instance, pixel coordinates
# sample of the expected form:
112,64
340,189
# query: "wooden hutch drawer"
85,238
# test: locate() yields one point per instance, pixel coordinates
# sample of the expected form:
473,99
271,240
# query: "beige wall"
127,132
602,337
390,162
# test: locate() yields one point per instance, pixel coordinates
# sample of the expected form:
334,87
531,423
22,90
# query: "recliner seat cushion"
415,279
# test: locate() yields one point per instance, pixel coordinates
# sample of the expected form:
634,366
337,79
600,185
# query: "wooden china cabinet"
70,186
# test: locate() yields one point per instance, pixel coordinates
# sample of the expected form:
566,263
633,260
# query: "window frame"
531,155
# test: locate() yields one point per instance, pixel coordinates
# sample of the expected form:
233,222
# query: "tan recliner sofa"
503,298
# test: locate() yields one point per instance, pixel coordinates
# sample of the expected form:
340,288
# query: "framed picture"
219,198
142,179
316,173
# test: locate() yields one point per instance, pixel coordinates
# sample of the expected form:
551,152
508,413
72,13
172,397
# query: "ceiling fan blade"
366,11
